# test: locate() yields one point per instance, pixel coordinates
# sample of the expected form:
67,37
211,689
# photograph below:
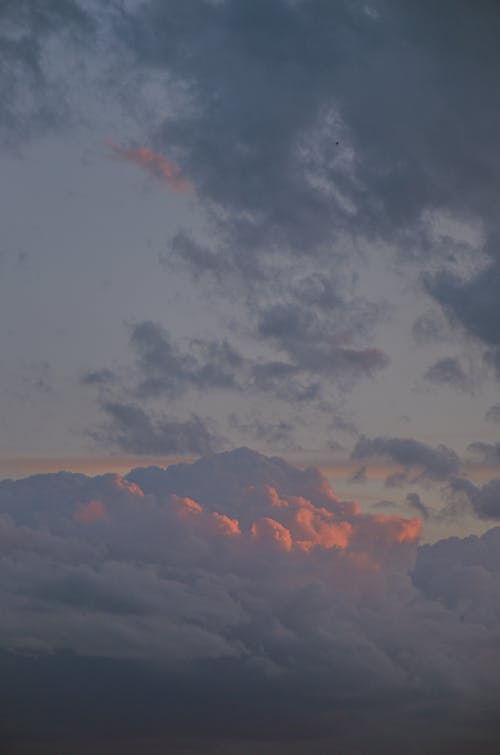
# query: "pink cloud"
93,511
226,525
125,486
185,507
156,165
271,531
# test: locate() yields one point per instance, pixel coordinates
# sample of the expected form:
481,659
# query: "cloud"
168,370
242,569
487,452
359,476
464,574
154,164
473,303
483,500
449,371
99,377
131,429
34,95
429,328
493,414
437,463
414,501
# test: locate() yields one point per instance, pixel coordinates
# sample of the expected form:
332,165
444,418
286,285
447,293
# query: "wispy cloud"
156,165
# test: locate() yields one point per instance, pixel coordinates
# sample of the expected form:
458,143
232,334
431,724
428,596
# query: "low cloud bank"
243,590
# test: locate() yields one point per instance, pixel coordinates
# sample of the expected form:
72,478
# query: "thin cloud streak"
153,163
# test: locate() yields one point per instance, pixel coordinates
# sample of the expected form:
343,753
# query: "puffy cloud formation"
464,574
236,599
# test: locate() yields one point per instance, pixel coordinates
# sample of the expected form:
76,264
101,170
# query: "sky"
250,224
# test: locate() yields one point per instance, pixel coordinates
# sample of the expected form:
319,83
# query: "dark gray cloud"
448,371
414,502
99,377
473,303
312,344
483,500
435,463
359,476
303,113
167,370
131,429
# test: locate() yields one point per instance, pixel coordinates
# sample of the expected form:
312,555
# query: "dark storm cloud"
435,463
131,429
187,621
448,371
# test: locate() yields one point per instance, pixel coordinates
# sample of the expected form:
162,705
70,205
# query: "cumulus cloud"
464,574
418,458
244,569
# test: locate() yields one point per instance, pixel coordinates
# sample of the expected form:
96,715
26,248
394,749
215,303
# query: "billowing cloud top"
257,569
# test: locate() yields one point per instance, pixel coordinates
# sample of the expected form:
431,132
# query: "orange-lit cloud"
156,165
93,511
125,486
185,506
226,525
271,531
